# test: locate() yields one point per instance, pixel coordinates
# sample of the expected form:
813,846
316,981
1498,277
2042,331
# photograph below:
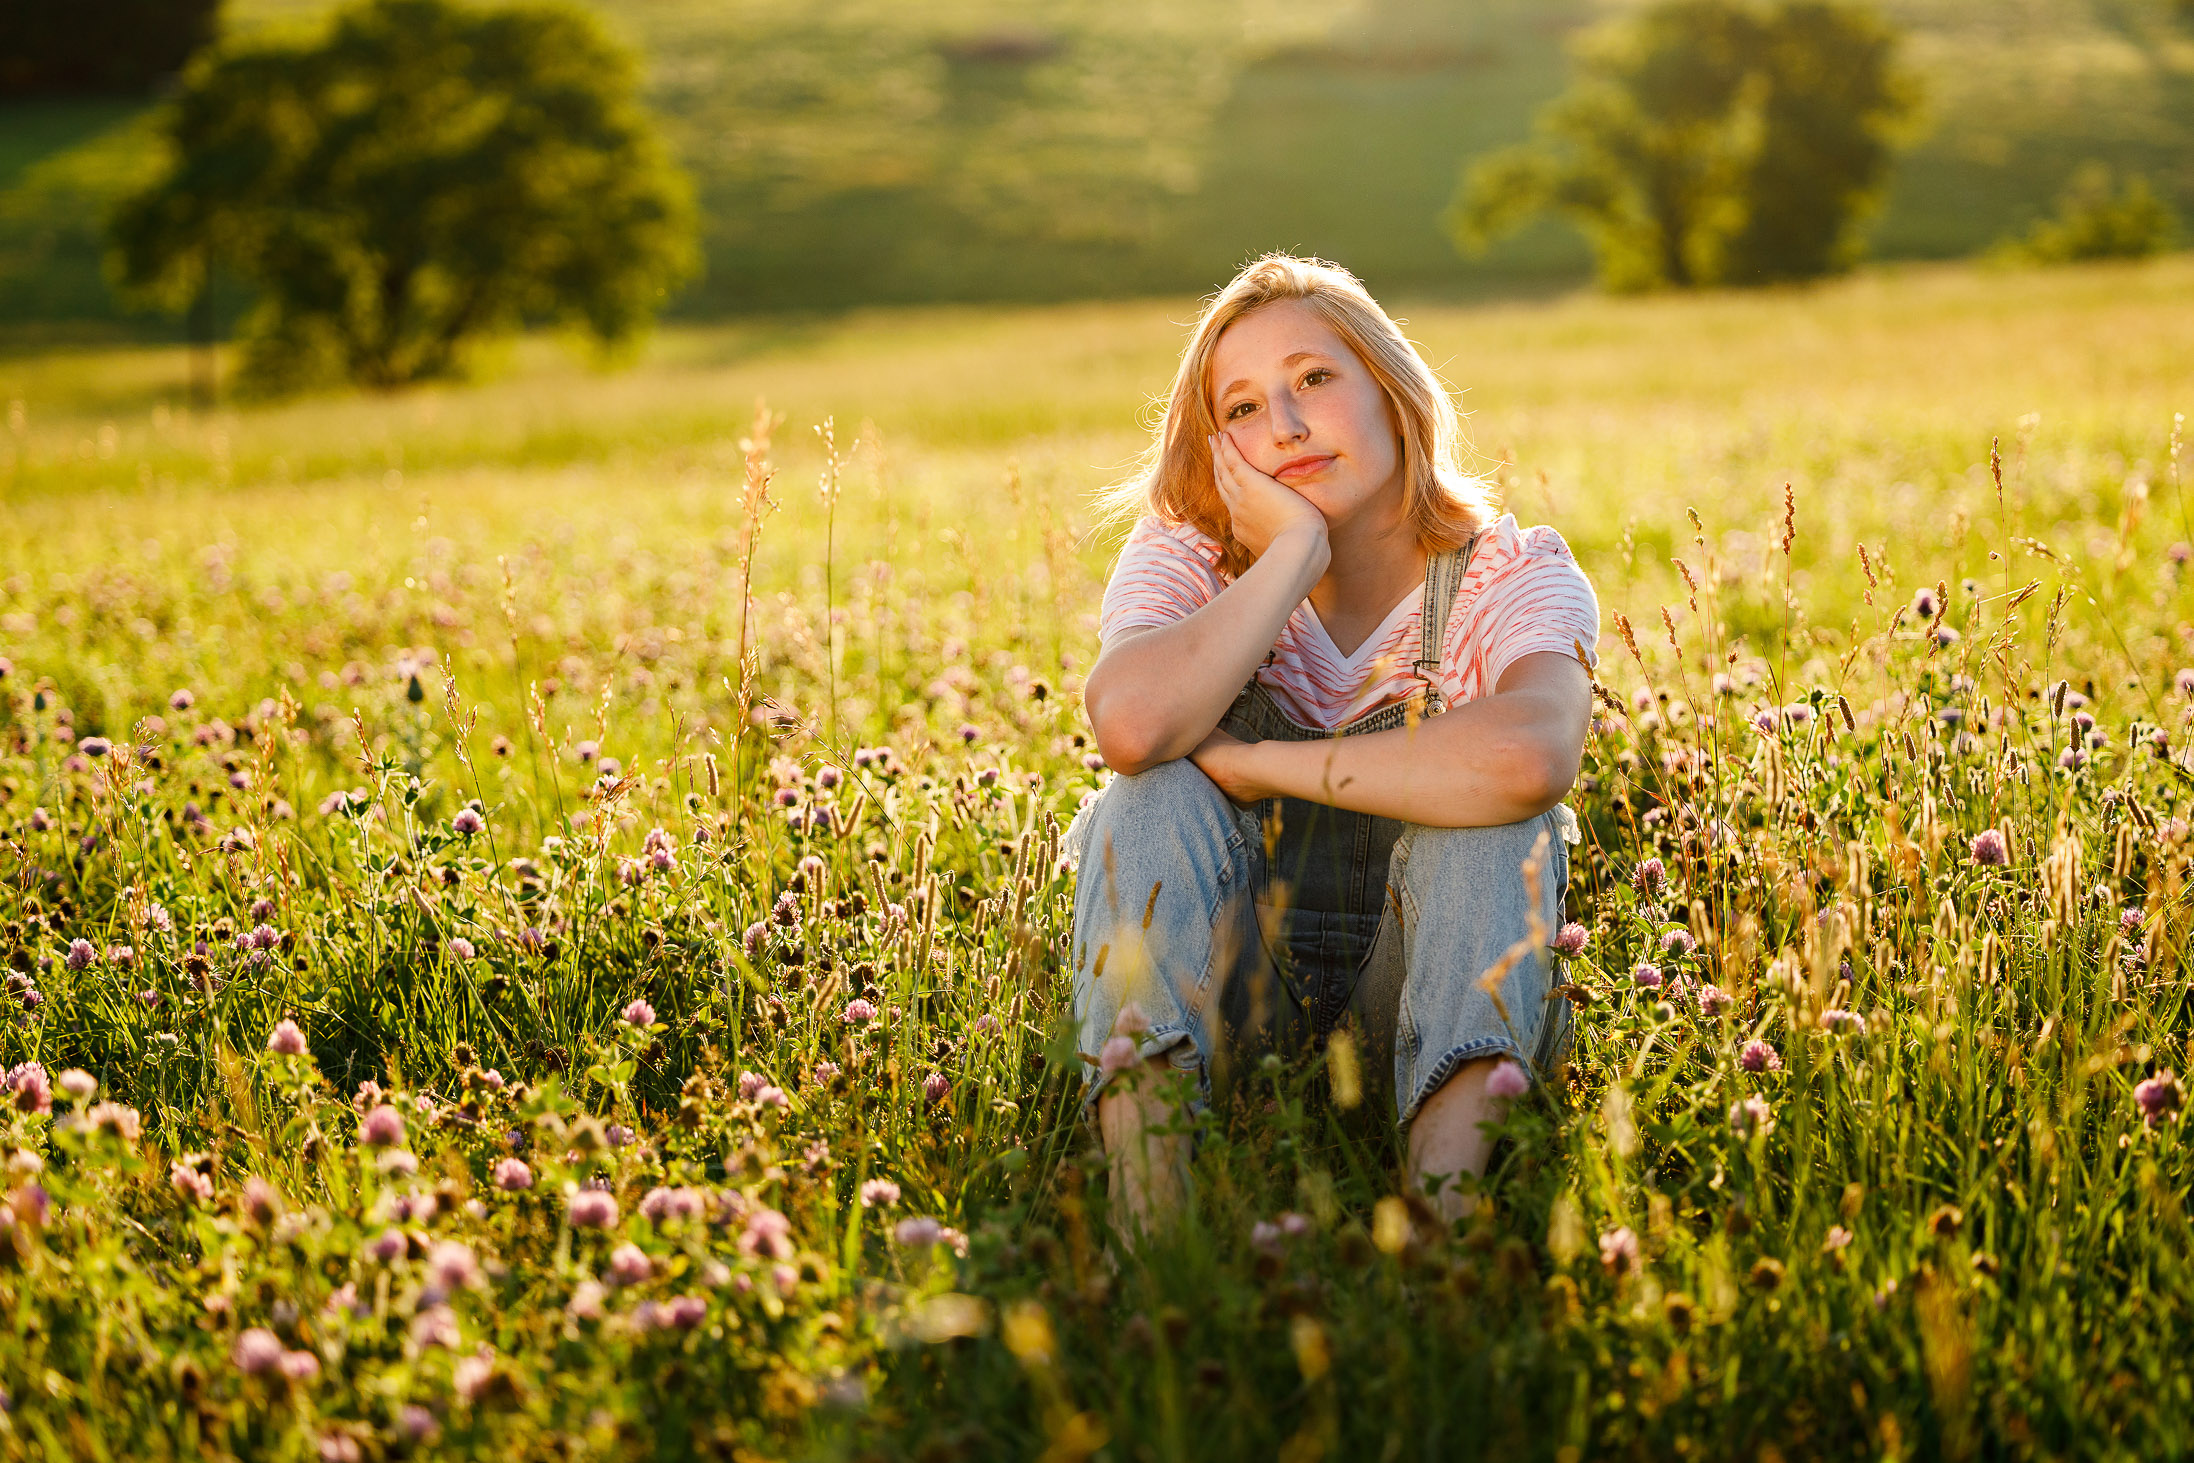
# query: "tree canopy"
1709,141
421,175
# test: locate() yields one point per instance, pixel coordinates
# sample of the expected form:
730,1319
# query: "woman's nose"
1287,423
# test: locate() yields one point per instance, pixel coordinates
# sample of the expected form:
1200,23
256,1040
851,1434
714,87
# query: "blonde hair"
1173,477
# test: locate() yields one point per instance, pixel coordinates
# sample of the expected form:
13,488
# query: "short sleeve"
1164,573
1535,597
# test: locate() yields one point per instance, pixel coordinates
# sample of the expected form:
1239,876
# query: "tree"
2096,219
1708,141
424,175
92,46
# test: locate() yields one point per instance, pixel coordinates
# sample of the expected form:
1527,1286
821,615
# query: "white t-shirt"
1523,593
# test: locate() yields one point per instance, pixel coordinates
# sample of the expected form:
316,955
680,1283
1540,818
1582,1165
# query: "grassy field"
451,725
859,152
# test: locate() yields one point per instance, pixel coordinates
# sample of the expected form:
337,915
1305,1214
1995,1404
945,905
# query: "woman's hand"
1232,764
1260,508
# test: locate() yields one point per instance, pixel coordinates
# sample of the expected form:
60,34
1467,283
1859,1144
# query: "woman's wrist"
1304,548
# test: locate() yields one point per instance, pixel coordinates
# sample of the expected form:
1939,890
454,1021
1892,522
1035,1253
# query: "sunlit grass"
1953,1225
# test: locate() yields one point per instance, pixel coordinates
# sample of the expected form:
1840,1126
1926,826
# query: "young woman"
1344,702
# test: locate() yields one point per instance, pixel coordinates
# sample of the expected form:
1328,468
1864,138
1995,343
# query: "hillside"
860,152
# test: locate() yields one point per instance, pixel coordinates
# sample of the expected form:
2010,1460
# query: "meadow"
535,922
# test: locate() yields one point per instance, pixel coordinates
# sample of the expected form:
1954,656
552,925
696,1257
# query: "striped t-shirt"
1523,593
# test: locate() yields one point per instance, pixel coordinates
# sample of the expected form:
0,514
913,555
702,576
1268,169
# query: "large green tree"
1708,142
423,174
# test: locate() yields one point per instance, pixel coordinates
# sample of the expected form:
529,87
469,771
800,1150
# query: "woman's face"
1302,408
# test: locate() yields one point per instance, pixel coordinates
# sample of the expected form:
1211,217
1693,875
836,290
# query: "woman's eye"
1317,376
1239,408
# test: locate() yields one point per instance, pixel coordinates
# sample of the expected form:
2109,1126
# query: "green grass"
844,157
549,568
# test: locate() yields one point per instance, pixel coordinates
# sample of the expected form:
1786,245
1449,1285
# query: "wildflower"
1117,1055
936,1087
468,822
1647,876
827,778
1766,1273
512,1175
629,1265
257,1352
1944,636
1569,941
383,1128
666,1205
261,1202
1750,1117
751,1083
436,1326
1646,977
77,1083
1509,1079
879,1194
1944,1222
767,1235
1766,722
826,1072
389,1246
81,954
640,1013
1838,1238
263,937
1678,943
858,1011
755,940
687,1311
461,948
986,1022
33,1094
786,911
1758,1056
111,1118
398,1161
787,798
286,1039
1619,1250
618,1134
1989,850
95,746
452,1265
1131,1021
190,1185
1924,604
592,1209
2158,1097
917,1233
1842,1021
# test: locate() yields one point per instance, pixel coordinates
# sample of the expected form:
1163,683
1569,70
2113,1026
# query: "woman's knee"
1457,863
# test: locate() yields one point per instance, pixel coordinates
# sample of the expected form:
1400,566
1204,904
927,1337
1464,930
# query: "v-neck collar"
1371,642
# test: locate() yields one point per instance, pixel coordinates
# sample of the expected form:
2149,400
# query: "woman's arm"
1497,759
1153,695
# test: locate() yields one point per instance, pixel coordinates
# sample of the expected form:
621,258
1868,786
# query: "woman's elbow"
1127,745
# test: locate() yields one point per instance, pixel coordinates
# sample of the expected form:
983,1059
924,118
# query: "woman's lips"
1298,467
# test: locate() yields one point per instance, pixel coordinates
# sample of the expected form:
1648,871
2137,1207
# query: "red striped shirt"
1524,593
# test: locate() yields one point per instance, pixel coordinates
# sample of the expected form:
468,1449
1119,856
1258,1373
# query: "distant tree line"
89,47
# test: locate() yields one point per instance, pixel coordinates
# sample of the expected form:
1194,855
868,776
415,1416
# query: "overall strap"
1443,577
